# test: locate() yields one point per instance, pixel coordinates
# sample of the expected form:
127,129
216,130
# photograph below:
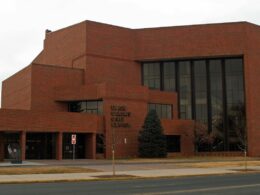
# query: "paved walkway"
25,163
143,168
141,161
137,173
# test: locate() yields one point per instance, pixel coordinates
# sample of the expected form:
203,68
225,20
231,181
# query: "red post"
59,146
23,144
2,146
91,146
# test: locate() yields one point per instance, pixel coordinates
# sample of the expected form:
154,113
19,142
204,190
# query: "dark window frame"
209,101
95,110
160,115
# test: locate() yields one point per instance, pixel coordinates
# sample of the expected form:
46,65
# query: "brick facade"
93,61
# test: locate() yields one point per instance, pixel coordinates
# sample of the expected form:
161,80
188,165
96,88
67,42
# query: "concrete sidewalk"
123,174
25,163
141,161
126,169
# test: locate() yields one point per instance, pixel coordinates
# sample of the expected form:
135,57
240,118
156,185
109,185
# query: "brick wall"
45,81
190,41
252,88
64,45
46,121
16,90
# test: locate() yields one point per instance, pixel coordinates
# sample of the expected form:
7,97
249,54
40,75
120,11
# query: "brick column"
23,144
59,146
2,149
90,145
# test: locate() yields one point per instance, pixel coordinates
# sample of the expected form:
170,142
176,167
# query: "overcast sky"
23,22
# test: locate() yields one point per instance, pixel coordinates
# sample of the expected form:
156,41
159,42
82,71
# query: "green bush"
152,141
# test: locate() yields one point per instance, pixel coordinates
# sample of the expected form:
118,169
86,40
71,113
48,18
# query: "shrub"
152,141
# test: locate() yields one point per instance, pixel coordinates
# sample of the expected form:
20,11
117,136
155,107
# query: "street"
224,184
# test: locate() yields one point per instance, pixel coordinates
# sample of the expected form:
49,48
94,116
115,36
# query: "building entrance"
40,146
79,147
10,138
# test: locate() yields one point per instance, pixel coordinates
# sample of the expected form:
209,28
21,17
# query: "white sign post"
73,142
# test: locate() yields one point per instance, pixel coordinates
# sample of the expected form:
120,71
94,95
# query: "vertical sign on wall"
73,142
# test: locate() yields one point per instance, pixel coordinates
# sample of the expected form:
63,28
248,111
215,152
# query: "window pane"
159,110
185,89
151,75
93,107
169,112
162,110
169,76
152,107
81,106
216,95
100,107
235,98
200,91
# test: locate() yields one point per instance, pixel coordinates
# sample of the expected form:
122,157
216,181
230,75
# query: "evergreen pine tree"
152,141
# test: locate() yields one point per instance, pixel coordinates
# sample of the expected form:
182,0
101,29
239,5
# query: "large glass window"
210,91
185,89
164,111
216,99
235,99
169,76
234,82
93,107
200,90
216,91
151,75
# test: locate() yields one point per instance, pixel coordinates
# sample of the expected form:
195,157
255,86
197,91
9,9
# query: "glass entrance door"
79,147
40,146
10,138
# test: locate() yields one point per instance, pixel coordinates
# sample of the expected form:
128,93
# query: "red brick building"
92,79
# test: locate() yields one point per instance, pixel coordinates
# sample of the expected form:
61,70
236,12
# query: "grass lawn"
43,170
220,164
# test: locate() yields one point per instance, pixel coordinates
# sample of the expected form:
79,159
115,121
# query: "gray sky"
23,22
